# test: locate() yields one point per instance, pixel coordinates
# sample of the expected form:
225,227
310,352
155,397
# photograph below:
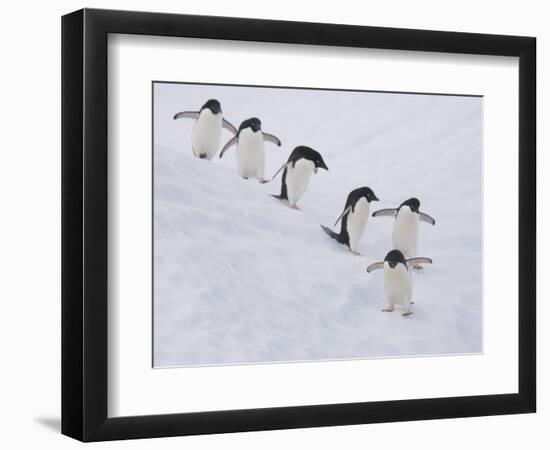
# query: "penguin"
405,227
354,218
302,162
397,279
207,129
250,149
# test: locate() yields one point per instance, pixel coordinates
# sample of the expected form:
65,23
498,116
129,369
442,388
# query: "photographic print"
302,225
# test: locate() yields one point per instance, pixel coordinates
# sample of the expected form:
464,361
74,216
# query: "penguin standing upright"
397,279
302,162
405,227
251,149
354,218
207,129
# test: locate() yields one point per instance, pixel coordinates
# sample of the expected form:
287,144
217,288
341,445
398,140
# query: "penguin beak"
322,165
375,199
315,169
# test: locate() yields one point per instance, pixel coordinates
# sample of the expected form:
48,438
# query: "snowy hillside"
241,278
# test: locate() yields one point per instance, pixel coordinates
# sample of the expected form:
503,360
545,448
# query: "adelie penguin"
302,162
251,149
207,129
397,279
354,218
405,227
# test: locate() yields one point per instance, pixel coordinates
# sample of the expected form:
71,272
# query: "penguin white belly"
405,232
357,220
206,134
251,154
398,285
297,179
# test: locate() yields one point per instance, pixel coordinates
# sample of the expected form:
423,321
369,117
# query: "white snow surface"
241,278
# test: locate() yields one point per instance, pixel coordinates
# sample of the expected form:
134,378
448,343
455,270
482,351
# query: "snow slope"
241,278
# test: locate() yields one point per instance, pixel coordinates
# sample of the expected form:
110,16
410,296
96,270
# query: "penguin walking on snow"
302,162
354,218
397,279
405,227
251,149
207,129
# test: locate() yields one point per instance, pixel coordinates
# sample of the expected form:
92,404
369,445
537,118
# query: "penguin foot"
388,309
418,268
203,156
262,181
295,206
245,178
354,253
407,314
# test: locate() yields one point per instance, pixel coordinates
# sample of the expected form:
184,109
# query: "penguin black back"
283,195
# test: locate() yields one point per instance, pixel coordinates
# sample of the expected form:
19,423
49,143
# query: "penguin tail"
279,196
333,235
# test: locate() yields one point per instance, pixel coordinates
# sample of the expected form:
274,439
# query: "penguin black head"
368,193
308,153
213,105
395,257
253,123
412,203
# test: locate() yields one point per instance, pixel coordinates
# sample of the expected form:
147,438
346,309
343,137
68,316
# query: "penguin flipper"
229,126
419,260
187,115
284,166
231,141
270,138
385,212
427,218
375,266
346,211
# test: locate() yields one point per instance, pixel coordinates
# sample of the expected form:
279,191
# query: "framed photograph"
273,224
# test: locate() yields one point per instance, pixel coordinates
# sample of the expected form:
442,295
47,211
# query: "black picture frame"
84,224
